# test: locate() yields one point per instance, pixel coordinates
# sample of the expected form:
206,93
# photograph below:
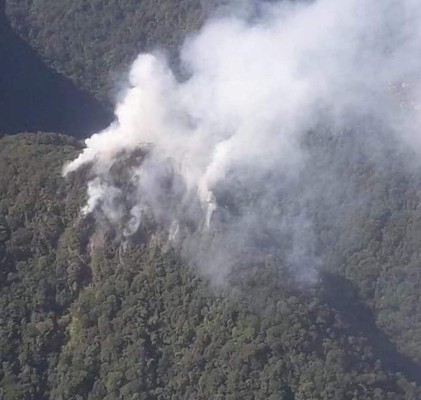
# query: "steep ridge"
84,316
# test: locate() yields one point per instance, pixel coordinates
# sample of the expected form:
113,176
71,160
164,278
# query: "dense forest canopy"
84,319
87,313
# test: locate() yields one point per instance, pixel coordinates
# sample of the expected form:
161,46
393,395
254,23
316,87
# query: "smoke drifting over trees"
244,157
280,158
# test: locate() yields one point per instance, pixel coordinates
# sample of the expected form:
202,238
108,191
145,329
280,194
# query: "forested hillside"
86,313
85,317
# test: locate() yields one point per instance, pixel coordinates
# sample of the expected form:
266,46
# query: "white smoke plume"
228,171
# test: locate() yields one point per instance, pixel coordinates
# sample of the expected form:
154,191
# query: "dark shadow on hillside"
340,294
34,97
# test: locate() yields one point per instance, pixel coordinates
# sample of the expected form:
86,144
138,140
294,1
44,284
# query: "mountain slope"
85,317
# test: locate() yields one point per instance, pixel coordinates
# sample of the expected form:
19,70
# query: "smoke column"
232,162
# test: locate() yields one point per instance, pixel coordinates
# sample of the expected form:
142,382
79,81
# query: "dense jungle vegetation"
84,317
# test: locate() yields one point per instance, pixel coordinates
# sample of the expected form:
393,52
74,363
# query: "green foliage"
84,317
36,205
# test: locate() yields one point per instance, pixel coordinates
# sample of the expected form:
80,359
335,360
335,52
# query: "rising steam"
231,161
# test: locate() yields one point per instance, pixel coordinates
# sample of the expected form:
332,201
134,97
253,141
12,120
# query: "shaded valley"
33,97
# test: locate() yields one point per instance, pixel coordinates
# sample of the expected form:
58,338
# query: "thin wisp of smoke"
234,165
